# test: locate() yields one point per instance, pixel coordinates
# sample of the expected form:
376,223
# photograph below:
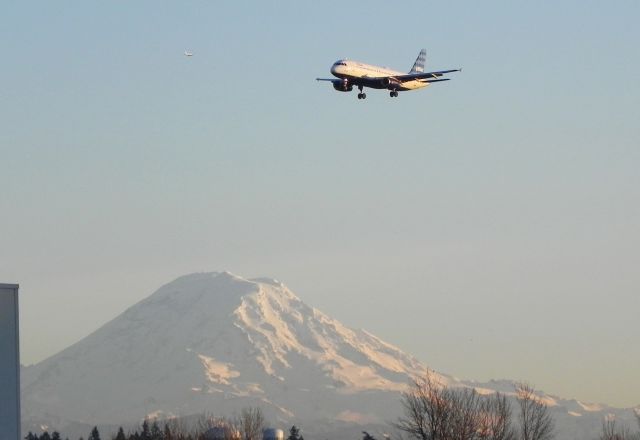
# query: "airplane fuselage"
351,74
355,70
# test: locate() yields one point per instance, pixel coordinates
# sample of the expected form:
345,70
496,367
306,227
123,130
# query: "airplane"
353,73
188,53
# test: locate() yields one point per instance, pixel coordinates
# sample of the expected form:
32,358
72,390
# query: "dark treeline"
44,436
148,431
249,425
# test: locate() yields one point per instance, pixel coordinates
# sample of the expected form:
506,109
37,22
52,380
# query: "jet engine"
391,83
342,85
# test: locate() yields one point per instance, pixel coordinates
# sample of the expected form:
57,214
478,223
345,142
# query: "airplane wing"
435,80
388,81
427,76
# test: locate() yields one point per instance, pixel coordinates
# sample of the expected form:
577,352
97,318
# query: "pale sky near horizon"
489,225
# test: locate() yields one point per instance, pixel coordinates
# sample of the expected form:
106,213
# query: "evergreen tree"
120,435
55,435
45,436
145,434
156,432
31,436
367,436
294,434
168,435
95,435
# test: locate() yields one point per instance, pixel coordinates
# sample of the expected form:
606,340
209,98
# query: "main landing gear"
361,95
393,94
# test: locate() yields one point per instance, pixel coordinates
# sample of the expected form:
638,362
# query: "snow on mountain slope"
216,343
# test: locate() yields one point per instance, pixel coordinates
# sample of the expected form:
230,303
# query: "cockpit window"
339,63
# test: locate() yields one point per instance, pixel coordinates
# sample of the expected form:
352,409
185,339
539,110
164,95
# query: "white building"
9,363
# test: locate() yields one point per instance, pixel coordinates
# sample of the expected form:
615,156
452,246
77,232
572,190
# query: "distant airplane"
188,53
353,73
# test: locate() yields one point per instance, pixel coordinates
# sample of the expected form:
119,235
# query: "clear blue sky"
489,225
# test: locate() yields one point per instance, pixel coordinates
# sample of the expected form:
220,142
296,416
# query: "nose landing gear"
393,94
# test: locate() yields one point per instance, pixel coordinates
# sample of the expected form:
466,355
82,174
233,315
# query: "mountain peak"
266,280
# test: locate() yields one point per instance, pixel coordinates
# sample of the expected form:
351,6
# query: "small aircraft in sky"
351,73
188,53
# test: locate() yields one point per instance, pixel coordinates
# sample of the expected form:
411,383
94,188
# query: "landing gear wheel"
362,95
393,94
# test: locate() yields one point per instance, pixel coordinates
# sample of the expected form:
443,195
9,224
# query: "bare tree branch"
251,423
612,431
536,422
435,412
495,419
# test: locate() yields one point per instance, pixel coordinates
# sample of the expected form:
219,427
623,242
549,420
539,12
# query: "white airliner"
353,73
188,53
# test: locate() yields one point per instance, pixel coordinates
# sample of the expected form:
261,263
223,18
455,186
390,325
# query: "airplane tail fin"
418,66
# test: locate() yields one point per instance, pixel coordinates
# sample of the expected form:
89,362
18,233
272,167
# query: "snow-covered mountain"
216,343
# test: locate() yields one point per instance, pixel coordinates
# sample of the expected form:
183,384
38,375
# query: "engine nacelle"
342,85
391,83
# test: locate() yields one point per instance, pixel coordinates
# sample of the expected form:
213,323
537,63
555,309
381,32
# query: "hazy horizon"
488,225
